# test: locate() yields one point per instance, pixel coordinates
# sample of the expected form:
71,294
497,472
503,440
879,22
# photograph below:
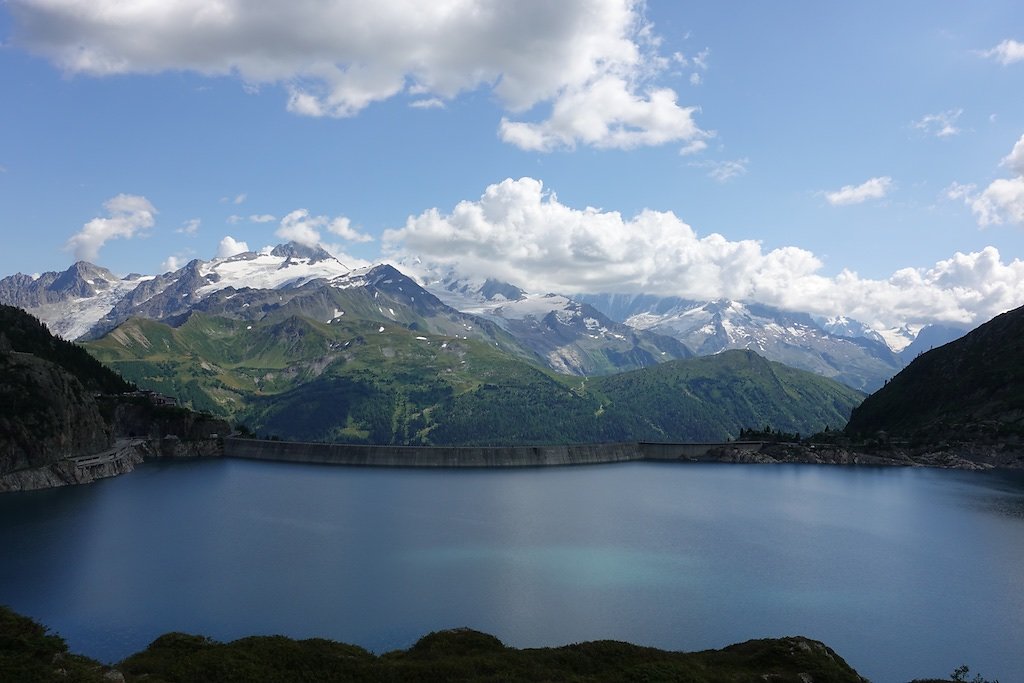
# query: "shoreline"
127,453
966,457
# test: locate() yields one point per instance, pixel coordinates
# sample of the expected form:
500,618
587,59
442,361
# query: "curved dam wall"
462,456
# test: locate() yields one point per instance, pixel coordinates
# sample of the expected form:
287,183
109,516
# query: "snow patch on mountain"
72,318
267,271
899,338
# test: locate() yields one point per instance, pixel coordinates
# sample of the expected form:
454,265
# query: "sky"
862,159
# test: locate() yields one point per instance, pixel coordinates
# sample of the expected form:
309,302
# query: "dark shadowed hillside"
971,389
58,403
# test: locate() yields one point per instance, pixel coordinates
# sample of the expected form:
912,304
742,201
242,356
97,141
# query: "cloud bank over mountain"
519,232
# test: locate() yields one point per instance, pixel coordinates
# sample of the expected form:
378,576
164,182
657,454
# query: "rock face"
62,413
45,414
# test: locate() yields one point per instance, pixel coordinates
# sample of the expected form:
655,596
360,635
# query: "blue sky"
829,157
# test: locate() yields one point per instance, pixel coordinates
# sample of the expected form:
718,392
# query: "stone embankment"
121,459
467,456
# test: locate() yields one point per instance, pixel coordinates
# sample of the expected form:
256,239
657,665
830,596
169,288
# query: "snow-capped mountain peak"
87,298
286,265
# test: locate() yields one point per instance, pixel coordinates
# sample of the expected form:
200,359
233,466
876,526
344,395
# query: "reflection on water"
906,572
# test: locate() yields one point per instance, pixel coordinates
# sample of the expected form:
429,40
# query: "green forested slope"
368,382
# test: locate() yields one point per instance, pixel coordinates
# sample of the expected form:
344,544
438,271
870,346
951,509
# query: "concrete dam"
469,456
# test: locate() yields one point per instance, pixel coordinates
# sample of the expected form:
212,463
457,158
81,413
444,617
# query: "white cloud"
338,252
342,227
299,226
336,57
1006,52
696,78
129,214
607,113
229,246
1015,159
262,218
941,125
701,60
874,188
1003,200
723,171
518,232
239,198
171,264
234,219
189,227
428,103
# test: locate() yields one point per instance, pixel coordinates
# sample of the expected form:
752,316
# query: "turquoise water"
905,573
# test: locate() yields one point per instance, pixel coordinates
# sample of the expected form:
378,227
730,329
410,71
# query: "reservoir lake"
904,572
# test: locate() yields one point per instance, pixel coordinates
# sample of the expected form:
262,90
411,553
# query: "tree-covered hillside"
970,389
365,382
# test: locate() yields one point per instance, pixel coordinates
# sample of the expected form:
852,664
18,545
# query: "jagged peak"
297,250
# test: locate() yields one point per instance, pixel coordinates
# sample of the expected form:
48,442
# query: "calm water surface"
906,573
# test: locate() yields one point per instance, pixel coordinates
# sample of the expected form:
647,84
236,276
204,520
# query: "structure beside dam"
469,456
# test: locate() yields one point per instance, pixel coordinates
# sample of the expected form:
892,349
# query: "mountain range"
585,335
358,380
836,347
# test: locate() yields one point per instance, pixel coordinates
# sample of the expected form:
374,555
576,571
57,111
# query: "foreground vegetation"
28,653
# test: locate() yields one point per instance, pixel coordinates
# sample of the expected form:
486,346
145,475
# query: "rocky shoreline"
966,456
127,453
121,459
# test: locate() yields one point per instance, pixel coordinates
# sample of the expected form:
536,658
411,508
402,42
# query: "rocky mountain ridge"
840,348
583,335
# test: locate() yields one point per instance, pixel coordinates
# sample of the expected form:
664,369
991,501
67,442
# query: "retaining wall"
461,456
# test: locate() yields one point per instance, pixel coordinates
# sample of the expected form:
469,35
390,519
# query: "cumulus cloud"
171,264
724,171
299,226
874,188
1006,52
1003,200
607,113
1015,159
521,233
262,218
342,227
129,214
591,61
941,125
229,246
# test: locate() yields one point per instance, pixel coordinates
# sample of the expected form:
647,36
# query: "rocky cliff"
64,418
46,414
